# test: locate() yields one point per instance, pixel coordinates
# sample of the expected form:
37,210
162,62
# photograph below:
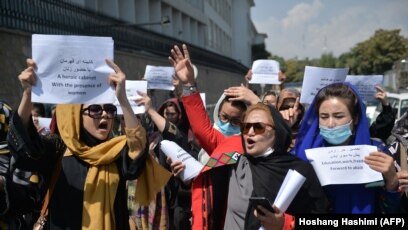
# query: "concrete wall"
15,47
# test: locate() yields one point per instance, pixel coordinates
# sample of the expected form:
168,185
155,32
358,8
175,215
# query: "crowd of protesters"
93,169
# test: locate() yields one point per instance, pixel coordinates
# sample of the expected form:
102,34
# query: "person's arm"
27,79
200,123
135,133
384,123
157,119
118,80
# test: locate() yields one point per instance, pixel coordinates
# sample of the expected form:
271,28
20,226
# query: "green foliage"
327,60
373,56
377,54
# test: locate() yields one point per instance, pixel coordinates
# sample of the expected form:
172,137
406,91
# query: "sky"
310,28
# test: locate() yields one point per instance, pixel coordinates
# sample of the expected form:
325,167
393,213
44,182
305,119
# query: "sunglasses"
233,120
259,127
95,111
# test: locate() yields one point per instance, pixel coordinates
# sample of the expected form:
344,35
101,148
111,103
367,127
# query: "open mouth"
250,142
103,125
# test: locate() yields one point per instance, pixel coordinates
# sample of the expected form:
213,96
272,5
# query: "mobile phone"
262,201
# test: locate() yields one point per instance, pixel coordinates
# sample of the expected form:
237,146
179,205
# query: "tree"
327,60
377,54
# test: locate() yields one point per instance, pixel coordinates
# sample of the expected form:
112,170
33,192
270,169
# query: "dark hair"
40,108
269,92
170,104
237,104
343,92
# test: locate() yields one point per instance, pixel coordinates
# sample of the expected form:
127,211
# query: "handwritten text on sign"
343,164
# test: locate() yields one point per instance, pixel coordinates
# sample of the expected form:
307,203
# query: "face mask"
227,129
336,135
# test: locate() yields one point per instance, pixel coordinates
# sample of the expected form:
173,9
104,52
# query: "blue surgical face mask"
336,135
227,128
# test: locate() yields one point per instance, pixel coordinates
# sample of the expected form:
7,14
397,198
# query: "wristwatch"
189,89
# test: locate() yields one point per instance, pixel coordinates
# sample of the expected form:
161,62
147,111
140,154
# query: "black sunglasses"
259,127
95,111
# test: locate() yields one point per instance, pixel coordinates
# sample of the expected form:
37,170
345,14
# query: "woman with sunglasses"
251,164
337,117
89,166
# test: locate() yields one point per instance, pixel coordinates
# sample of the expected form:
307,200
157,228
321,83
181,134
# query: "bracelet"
189,89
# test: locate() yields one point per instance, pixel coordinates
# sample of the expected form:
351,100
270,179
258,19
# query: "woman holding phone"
261,169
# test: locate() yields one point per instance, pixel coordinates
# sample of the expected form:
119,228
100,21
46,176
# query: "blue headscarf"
350,198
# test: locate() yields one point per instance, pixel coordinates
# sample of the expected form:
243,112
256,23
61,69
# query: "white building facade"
221,26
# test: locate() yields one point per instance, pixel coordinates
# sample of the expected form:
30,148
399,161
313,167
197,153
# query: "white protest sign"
44,122
72,69
175,152
131,92
290,186
265,72
159,77
366,85
343,164
316,78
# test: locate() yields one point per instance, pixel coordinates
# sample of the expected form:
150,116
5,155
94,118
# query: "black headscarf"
269,172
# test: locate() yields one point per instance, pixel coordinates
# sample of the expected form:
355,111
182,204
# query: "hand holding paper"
175,152
72,69
265,71
288,190
341,164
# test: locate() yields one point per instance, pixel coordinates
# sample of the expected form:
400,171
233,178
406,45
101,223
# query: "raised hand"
241,93
291,115
381,95
144,100
27,77
182,64
117,80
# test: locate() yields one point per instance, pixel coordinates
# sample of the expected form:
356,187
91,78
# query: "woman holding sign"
84,170
337,118
254,164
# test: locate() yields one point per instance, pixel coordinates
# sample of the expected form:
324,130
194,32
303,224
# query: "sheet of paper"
44,122
343,164
265,72
366,85
316,78
159,77
72,69
291,184
202,95
175,152
131,92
